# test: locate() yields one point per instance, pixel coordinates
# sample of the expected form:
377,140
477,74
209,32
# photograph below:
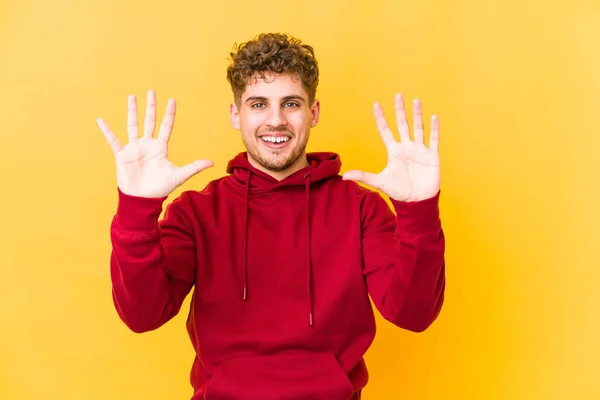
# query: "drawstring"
308,263
245,266
307,179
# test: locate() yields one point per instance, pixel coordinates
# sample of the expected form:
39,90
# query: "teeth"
273,139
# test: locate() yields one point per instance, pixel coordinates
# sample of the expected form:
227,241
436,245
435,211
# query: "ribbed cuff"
418,218
138,214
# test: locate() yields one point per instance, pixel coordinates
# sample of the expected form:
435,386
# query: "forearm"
418,284
404,261
142,293
149,281
416,291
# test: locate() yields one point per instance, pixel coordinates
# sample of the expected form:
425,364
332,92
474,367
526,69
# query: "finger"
418,121
111,138
434,136
382,126
363,177
150,119
187,171
401,120
166,127
132,118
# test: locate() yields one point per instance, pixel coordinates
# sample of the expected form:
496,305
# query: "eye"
291,104
258,105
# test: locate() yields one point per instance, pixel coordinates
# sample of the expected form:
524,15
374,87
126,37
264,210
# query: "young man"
281,254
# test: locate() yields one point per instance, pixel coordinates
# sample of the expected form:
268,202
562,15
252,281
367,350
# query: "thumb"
187,171
362,177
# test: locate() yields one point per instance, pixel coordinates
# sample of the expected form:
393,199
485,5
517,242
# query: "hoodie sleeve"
152,264
403,257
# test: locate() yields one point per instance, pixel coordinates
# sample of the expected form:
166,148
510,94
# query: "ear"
235,116
315,111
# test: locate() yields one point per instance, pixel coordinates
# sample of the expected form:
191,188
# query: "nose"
276,117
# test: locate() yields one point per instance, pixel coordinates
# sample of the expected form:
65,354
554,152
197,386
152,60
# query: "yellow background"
516,86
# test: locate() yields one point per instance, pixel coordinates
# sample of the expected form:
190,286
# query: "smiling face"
275,117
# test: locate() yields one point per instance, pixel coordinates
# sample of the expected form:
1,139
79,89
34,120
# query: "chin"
277,163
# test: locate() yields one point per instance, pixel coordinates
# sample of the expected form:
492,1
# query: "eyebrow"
286,98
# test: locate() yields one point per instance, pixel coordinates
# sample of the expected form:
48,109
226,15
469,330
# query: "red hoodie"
282,272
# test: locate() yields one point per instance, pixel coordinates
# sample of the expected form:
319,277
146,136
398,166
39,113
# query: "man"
282,253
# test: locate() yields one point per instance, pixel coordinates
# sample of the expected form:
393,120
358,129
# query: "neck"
300,163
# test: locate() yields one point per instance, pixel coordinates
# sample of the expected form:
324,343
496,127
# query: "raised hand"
143,168
413,170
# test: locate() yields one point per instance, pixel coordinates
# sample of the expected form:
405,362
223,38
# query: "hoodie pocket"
297,376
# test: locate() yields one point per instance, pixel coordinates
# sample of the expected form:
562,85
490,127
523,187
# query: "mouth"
275,141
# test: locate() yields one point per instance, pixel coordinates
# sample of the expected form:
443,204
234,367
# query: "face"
275,118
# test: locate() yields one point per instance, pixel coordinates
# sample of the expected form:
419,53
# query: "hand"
143,168
413,170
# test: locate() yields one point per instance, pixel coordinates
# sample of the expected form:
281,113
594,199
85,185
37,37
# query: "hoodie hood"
321,166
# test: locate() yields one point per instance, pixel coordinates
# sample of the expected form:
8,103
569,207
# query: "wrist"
138,213
418,217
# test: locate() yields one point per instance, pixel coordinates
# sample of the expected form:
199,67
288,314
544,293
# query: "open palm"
143,168
413,170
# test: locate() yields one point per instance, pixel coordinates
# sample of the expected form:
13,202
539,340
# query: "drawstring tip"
311,320
245,295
